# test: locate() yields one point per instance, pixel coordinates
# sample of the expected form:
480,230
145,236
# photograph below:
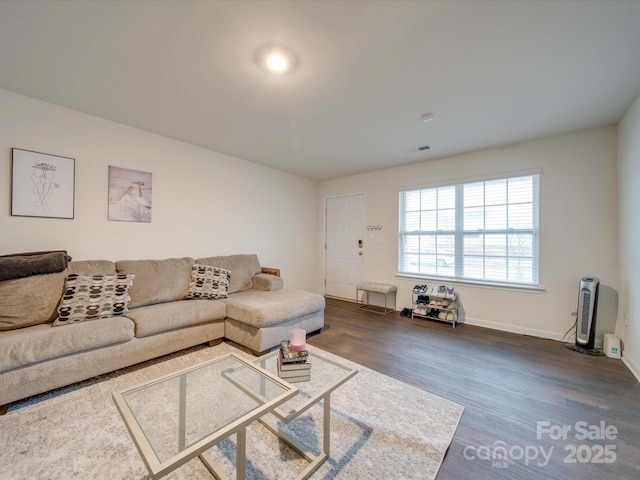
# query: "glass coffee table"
326,376
176,418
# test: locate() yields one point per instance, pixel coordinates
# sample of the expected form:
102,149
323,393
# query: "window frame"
459,233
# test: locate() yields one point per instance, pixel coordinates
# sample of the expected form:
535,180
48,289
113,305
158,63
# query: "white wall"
204,203
578,227
629,207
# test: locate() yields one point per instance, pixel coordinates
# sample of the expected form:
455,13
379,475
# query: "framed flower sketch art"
129,195
42,185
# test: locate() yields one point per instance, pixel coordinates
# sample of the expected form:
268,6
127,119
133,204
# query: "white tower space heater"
587,312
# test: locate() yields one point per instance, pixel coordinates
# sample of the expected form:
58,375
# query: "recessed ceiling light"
276,59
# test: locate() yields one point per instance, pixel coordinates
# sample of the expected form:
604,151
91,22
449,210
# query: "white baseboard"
633,368
534,332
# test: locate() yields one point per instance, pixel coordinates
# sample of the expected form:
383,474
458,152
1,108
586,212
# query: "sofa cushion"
242,268
92,267
208,282
30,300
34,300
260,309
43,342
89,297
163,317
157,281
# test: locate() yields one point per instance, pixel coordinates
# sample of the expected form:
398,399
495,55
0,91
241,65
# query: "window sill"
474,283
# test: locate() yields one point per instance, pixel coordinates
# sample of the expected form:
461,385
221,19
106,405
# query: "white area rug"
380,428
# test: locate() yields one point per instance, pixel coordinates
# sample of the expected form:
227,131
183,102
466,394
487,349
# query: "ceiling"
492,73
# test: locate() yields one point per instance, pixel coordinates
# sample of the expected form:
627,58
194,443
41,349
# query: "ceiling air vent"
424,148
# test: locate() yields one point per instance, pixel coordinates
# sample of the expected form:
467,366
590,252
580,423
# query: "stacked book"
293,366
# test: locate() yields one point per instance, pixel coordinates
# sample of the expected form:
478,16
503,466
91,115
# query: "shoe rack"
435,302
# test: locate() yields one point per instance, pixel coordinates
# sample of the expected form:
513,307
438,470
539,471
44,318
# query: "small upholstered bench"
375,287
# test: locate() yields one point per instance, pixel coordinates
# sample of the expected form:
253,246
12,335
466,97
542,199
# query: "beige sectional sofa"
36,355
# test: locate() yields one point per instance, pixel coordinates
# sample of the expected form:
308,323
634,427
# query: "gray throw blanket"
21,265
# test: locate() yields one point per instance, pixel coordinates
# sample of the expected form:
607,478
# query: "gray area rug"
380,428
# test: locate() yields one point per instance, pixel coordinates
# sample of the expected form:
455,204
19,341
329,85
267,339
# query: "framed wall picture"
129,195
42,185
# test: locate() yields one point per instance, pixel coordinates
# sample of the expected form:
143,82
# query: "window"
483,230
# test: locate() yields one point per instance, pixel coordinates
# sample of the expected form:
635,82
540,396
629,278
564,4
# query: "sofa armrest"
266,282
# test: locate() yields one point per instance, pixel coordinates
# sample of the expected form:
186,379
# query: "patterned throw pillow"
87,297
208,282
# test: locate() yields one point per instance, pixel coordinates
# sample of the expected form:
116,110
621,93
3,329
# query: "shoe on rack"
421,288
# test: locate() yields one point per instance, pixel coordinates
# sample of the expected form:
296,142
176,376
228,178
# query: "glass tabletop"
325,376
175,412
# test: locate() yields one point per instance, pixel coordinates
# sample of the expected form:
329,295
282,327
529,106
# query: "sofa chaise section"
260,312
260,320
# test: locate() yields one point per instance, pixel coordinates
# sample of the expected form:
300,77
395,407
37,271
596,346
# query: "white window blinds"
482,230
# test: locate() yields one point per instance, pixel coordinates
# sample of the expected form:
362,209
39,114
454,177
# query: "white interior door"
344,245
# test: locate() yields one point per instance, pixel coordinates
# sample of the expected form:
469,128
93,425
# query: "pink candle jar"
297,340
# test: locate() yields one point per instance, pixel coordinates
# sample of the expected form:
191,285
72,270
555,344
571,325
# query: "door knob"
359,243
359,253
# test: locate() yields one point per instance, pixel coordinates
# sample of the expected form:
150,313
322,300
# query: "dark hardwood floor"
508,383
